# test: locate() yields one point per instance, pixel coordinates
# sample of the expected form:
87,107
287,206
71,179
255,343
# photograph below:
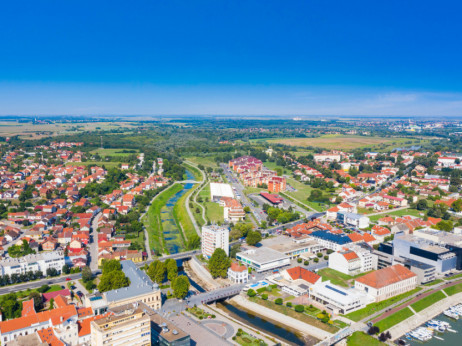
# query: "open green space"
362,339
454,277
182,217
213,211
274,167
245,339
360,314
394,319
114,152
195,171
206,161
297,315
107,164
336,277
348,142
453,289
402,212
303,190
427,301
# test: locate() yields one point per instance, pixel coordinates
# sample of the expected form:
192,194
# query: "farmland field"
114,152
344,142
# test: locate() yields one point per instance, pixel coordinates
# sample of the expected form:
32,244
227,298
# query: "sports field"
345,142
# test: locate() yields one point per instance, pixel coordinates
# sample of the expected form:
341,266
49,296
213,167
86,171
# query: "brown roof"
304,274
386,276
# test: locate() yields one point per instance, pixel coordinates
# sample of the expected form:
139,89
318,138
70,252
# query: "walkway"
281,318
191,216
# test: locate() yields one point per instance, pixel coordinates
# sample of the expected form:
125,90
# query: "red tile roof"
386,276
304,274
349,256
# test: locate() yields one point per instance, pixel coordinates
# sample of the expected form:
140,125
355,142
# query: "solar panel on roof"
336,290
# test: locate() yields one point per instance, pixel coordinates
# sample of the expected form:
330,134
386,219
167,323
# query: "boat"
450,313
421,334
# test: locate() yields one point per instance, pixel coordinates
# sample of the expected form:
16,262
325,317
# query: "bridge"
214,295
175,256
188,182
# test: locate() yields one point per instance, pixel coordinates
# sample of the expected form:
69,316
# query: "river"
171,231
275,329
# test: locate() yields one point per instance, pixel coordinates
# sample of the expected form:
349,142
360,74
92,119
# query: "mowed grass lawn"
303,191
335,277
115,152
208,161
360,314
403,212
344,142
362,339
427,301
394,319
453,289
107,164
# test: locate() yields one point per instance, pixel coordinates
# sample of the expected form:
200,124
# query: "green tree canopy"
111,265
181,286
172,269
253,237
219,264
113,280
156,271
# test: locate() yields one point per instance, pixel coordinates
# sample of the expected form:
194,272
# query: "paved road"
213,295
93,259
38,283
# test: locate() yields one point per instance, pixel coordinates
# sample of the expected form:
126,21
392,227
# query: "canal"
172,231
275,329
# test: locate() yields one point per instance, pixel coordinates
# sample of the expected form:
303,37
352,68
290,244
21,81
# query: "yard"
402,212
244,339
335,277
394,319
114,152
427,301
360,314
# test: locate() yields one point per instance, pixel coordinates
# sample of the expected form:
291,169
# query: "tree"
172,270
264,296
66,269
422,204
278,301
11,307
247,209
156,271
234,250
253,237
219,264
181,286
113,280
111,265
457,205
52,303
299,308
43,288
86,274
38,301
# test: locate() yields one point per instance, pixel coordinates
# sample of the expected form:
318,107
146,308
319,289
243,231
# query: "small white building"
238,274
219,190
354,260
214,237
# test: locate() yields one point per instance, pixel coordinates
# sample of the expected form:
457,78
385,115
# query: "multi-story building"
353,219
232,209
141,289
238,274
387,282
357,258
330,240
127,325
33,262
214,237
277,184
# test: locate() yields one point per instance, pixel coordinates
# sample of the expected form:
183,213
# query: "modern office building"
330,240
353,219
214,237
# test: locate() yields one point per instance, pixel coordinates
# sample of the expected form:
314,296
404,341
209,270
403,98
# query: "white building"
353,261
387,282
353,219
214,237
218,190
263,259
238,274
339,300
42,262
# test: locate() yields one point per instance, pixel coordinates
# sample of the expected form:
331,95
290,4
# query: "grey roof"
140,284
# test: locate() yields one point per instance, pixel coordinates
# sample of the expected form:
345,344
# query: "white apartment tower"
214,237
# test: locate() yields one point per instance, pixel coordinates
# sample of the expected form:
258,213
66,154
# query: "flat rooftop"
285,244
263,255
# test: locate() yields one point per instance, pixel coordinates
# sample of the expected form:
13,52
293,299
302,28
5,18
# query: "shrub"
251,293
213,316
306,263
201,317
261,290
319,254
299,260
299,308
316,260
289,304
278,301
326,257
264,296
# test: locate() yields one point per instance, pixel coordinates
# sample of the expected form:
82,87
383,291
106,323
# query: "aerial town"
221,240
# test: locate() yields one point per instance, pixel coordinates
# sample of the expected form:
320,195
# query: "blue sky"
300,57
